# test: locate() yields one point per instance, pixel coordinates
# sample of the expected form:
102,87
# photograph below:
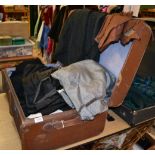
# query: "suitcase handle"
62,124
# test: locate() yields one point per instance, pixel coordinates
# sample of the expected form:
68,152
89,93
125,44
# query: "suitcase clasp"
58,124
54,124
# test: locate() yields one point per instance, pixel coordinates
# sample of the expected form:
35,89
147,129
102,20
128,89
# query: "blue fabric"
114,57
145,86
55,65
141,93
44,37
10,70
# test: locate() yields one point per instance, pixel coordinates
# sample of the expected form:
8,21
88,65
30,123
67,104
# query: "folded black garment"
23,69
36,89
40,90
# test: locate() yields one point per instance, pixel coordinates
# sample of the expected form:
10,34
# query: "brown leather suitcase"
57,130
52,131
135,117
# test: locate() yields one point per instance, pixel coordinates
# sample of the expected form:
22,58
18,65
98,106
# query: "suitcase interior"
49,133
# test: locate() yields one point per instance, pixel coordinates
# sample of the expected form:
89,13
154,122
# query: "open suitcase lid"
131,65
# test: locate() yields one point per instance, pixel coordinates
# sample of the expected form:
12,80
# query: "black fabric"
36,89
56,10
23,69
59,19
57,25
92,7
117,9
76,41
41,95
33,18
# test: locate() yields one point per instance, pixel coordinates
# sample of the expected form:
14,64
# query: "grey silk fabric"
85,84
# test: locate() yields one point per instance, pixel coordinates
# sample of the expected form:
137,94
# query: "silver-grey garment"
85,84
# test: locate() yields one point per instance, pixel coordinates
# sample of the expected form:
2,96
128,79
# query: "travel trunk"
58,130
135,117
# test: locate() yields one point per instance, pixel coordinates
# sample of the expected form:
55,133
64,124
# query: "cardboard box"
15,28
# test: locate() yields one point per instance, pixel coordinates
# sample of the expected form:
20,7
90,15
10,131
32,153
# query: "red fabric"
50,46
48,15
104,9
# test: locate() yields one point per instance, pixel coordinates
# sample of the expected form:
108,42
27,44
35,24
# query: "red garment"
48,15
50,46
104,9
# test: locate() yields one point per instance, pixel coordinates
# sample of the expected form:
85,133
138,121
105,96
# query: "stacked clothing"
141,93
85,86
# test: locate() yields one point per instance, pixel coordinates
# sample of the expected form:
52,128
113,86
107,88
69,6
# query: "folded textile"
85,83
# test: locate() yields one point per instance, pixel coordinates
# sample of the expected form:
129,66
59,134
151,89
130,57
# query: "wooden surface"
148,19
152,133
19,58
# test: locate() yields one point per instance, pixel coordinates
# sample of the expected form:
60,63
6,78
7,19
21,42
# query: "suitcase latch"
54,124
58,124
